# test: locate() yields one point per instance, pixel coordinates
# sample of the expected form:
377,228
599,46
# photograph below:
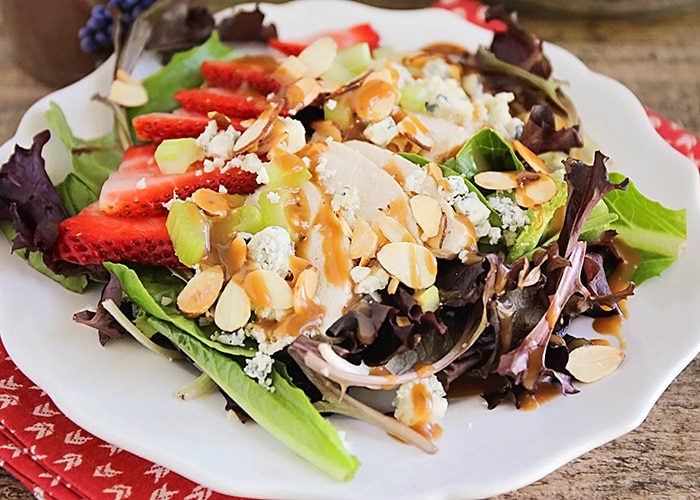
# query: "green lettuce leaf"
182,72
155,291
92,162
657,233
286,412
485,151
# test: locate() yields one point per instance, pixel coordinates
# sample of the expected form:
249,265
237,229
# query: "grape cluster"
97,34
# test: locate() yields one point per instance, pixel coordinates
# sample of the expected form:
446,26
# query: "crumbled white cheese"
211,164
437,67
467,203
369,279
513,217
408,395
416,181
346,201
273,197
236,338
331,104
259,367
141,184
295,135
381,132
253,164
271,249
446,99
218,143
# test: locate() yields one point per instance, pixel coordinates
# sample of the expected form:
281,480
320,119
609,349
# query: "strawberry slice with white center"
91,238
140,189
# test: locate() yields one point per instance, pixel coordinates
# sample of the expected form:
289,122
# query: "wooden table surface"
659,60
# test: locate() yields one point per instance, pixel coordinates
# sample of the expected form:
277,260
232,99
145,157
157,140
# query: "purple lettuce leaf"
540,134
100,319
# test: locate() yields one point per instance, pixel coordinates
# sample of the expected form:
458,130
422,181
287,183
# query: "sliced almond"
127,91
375,99
290,70
266,288
414,130
235,255
412,264
212,202
318,56
535,189
302,93
305,289
534,161
328,128
257,130
363,241
428,214
233,307
590,363
201,292
392,229
498,181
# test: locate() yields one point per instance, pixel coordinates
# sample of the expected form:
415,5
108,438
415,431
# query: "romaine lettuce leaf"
657,233
286,412
484,151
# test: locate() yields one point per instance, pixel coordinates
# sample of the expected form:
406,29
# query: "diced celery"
338,111
188,230
287,170
349,63
413,98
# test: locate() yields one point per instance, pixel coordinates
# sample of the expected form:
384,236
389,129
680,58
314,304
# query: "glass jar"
44,38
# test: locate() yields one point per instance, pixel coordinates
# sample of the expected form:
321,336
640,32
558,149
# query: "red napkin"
56,459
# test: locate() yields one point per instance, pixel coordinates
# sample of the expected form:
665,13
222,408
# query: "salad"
342,214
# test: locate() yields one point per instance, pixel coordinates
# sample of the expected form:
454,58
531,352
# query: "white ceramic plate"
124,394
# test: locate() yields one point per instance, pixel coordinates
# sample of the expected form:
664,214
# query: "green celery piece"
484,151
182,72
35,260
147,291
92,161
286,412
656,232
530,237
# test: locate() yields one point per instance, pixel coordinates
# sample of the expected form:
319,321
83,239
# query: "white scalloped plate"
124,394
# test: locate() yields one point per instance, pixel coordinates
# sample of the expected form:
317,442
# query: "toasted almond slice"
363,241
375,99
212,202
233,307
318,56
305,289
127,91
222,121
535,189
257,130
302,93
534,161
266,288
201,292
392,229
235,255
414,130
428,214
590,363
328,128
290,70
412,264
496,180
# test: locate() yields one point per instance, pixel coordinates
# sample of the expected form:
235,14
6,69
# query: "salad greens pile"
498,308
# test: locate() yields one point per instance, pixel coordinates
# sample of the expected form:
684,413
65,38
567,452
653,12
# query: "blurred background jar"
45,40
600,8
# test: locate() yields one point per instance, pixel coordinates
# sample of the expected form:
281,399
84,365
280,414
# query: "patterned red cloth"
56,459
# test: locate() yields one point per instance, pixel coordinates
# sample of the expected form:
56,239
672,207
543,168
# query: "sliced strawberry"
232,103
253,71
91,238
157,127
344,38
139,188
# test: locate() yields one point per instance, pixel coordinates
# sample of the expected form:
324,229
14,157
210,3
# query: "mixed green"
341,214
